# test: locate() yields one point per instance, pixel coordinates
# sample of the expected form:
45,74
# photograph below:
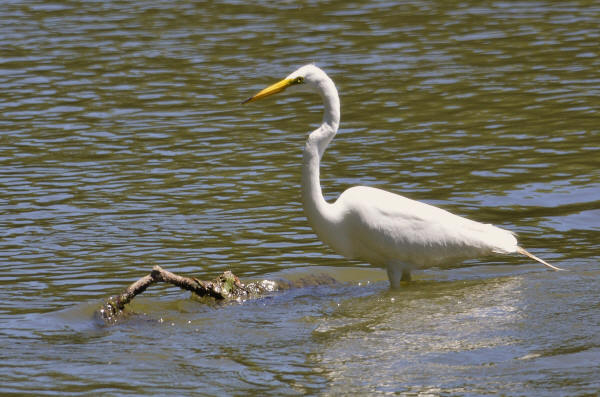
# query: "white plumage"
376,226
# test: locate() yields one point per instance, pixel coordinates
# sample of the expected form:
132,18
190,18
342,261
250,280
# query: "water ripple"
124,144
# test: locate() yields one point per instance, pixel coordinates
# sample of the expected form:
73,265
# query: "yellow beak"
270,90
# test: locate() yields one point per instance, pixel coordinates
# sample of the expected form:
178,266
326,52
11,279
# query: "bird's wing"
416,232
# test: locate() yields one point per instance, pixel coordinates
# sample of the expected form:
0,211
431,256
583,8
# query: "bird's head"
306,78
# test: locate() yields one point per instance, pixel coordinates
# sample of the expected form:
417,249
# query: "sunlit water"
123,144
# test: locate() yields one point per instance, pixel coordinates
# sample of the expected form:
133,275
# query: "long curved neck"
315,206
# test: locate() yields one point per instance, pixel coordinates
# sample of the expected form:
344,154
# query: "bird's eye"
299,80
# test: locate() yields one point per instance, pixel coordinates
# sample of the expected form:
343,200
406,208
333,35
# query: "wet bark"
225,287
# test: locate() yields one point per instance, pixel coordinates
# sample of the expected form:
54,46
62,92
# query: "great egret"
376,226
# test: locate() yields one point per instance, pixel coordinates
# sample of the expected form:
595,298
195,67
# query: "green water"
123,144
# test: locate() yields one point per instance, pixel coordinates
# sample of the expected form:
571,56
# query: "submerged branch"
225,287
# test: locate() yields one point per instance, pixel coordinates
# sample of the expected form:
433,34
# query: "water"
124,145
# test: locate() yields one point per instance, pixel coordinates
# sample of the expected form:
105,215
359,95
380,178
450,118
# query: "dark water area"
123,145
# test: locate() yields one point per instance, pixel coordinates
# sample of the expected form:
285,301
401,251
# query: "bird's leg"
405,275
396,274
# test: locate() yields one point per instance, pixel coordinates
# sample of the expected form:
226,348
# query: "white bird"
382,228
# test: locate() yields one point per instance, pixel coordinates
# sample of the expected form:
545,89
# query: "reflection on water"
123,145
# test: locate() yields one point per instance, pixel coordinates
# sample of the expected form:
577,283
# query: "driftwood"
226,287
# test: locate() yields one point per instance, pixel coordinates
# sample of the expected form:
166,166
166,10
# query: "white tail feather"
526,253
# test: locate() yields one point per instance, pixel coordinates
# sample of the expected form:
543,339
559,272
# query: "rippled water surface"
123,144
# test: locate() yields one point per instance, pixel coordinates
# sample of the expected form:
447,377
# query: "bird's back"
382,227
